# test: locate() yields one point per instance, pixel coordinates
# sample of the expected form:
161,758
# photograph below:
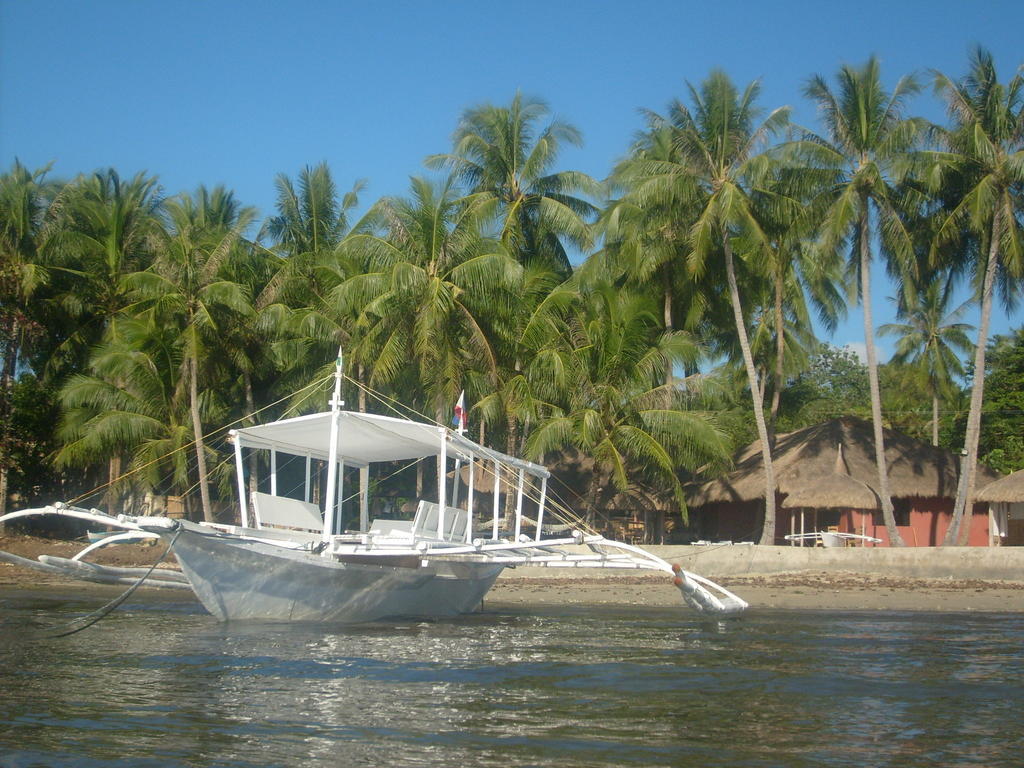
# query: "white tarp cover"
364,438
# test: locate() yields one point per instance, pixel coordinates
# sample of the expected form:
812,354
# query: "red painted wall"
928,520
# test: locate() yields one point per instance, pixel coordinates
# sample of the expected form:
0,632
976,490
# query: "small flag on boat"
459,419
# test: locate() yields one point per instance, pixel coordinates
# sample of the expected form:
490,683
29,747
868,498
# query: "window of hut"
900,511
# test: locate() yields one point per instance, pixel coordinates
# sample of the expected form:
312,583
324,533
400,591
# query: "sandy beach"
802,590
798,591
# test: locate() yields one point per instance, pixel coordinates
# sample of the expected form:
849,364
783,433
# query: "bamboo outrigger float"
288,560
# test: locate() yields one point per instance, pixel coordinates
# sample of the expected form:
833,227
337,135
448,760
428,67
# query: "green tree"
310,223
646,239
611,400
128,401
801,279
525,333
721,162
1002,439
431,281
108,228
984,161
930,339
835,384
185,289
868,139
300,302
24,203
507,155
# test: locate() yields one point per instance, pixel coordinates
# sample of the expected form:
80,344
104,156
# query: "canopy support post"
519,503
497,498
442,477
469,500
332,455
243,500
364,499
540,506
309,469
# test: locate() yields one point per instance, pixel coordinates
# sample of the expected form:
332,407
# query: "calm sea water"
166,685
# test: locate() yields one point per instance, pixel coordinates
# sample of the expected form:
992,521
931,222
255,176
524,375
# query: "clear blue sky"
233,92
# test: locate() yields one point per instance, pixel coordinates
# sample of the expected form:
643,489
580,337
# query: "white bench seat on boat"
424,525
427,514
282,512
401,528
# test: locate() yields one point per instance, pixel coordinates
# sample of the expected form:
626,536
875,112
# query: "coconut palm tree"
431,281
311,221
612,402
719,144
984,161
868,138
24,204
185,289
646,241
931,339
523,333
106,228
128,402
109,227
306,235
801,278
507,155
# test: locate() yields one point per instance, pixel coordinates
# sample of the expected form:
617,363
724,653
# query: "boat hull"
241,579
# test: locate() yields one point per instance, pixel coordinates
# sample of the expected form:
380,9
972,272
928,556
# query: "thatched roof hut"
1009,489
834,491
805,460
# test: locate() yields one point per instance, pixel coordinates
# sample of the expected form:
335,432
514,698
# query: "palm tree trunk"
895,539
6,409
669,327
965,488
111,497
780,352
3,489
197,428
510,448
768,532
935,420
592,494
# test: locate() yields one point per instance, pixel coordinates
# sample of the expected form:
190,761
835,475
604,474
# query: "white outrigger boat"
287,560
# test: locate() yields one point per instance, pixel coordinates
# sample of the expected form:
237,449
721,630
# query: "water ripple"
171,687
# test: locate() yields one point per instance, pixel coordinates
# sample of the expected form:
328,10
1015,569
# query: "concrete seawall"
718,561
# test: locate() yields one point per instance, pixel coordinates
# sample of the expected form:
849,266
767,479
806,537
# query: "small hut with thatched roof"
827,480
1005,499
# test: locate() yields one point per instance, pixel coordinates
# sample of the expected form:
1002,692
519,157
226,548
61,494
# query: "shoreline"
890,589
804,591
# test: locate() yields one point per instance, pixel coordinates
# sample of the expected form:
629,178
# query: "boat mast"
332,453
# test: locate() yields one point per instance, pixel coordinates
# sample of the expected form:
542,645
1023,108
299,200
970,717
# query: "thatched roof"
806,458
833,491
1006,489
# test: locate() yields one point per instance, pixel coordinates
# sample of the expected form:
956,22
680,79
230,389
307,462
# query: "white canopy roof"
364,438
